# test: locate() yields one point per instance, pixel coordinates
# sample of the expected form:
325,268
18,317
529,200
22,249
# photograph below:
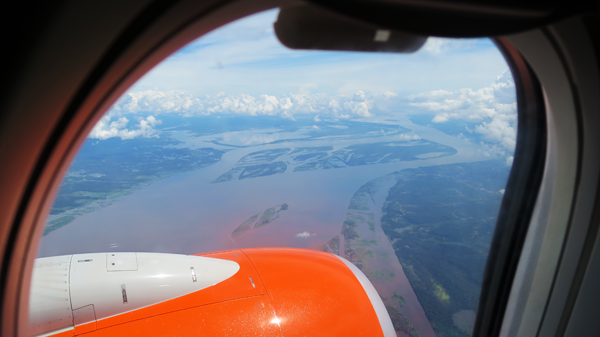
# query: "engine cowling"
259,291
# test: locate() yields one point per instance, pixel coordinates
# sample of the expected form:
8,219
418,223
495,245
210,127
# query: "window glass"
397,162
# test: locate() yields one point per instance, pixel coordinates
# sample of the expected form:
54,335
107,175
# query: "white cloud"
405,136
339,106
501,129
287,114
494,107
107,128
440,119
305,235
246,57
436,45
389,94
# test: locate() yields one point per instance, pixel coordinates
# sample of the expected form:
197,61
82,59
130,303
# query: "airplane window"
395,162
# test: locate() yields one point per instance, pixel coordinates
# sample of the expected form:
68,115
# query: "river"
188,214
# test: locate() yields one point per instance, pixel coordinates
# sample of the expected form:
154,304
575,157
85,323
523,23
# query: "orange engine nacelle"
250,292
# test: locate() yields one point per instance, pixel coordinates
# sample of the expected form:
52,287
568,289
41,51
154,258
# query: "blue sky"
245,57
242,69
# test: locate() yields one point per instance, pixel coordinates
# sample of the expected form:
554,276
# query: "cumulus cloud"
287,106
389,94
494,107
109,128
436,45
305,235
440,119
501,129
115,123
405,136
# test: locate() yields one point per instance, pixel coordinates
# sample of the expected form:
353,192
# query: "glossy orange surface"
314,293
238,286
84,328
251,316
296,292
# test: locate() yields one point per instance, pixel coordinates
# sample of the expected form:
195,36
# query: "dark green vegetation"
260,170
332,246
256,164
232,174
378,153
398,298
107,169
265,156
401,323
365,248
210,125
360,199
348,230
271,215
262,163
354,129
440,220
310,153
266,218
58,223
245,226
